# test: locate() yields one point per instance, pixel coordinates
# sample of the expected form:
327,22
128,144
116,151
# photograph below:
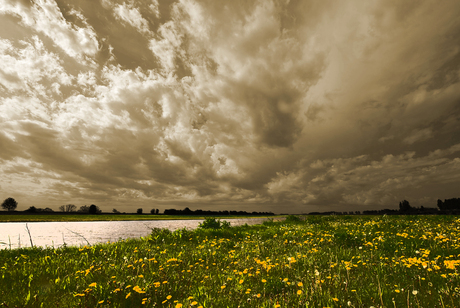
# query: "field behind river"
322,261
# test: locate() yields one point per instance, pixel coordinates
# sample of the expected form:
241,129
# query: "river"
55,234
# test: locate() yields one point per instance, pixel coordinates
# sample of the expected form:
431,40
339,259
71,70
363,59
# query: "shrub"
293,218
212,223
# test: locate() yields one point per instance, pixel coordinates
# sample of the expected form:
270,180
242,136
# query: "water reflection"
55,234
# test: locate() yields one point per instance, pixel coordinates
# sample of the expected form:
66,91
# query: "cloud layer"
280,106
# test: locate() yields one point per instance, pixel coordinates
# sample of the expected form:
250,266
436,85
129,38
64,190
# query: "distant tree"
139,211
449,204
404,206
48,210
94,209
31,209
9,204
157,212
153,211
440,204
115,211
83,209
68,208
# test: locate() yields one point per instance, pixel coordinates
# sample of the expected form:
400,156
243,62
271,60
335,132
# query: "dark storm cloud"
282,105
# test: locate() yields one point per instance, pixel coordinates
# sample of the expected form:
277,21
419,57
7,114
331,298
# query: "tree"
83,209
9,204
153,211
115,211
31,209
94,209
139,211
68,208
404,206
449,204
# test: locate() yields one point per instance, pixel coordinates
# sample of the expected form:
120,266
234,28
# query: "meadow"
321,261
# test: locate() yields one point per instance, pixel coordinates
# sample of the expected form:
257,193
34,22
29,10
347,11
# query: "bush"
212,223
293,218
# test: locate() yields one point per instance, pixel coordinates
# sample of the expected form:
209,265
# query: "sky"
269,106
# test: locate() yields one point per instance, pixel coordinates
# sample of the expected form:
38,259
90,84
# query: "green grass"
330,261
100,217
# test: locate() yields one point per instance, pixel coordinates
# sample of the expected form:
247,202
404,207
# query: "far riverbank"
49,217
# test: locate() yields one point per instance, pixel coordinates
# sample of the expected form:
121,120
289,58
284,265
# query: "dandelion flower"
179,305
300,284
299,292
168,297
193,303
92,285
415,292
138,289
335,299
264,281
129,294
79,294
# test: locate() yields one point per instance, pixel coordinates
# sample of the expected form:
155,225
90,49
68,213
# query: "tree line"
445,207
188,211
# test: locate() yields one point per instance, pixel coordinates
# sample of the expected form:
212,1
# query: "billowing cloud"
133,17
45,16
263,105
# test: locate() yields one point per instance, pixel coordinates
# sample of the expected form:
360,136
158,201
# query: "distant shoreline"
51,217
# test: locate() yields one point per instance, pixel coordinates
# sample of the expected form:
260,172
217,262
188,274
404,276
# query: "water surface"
55,234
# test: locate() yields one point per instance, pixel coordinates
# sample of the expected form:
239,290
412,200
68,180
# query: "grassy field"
324,261
98,217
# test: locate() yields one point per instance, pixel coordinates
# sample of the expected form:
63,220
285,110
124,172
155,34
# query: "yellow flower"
258,295
264,281
300,284
100,302
138,289
79,294
92,285
222,287
335,299
129,294
285,280
397,291
168,297
193,303
179,305
241,281
277,305
299,292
